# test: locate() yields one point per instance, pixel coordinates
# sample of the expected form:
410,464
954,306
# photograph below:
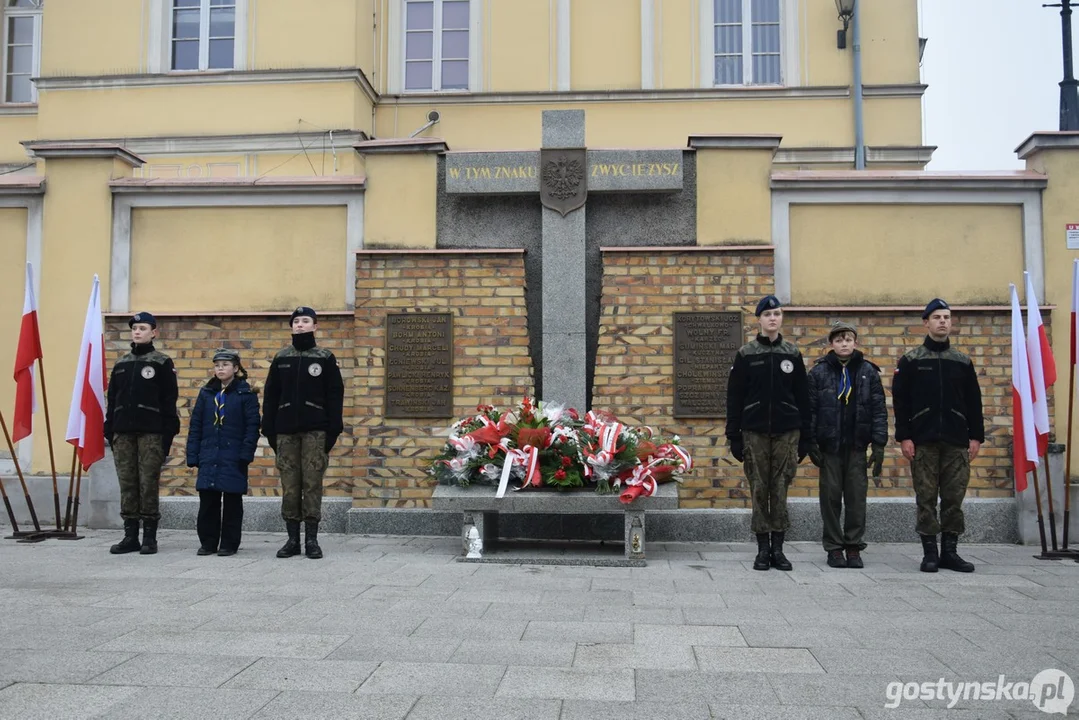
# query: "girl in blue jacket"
221,444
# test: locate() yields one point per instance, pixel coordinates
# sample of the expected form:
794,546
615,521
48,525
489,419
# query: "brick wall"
190,341
641,291
484,289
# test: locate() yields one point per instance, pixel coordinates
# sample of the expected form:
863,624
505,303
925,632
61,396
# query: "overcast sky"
993,68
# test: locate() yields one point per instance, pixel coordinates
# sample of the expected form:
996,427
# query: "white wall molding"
124,203
1029,200
564,40
648,38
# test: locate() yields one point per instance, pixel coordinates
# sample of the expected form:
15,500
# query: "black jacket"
304,392
767,390
936,397
223,452
867,397
142,394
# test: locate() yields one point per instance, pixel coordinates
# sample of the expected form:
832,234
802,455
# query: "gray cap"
226,354
841,327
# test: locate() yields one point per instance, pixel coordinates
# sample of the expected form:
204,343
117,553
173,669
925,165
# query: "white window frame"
789,66
396,27
35,67
160,39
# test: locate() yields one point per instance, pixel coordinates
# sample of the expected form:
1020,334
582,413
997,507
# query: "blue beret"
142,317
934,304
768,302
303,312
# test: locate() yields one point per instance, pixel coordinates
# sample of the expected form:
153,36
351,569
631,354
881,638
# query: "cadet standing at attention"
939,425
768,427
302,419
140,424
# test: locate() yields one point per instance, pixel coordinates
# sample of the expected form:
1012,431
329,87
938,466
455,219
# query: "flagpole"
1068,458
48,432
1041,520
27,536
10,513
70,485
1049,497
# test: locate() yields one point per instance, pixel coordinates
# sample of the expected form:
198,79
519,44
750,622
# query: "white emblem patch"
314,369
786,366
148,372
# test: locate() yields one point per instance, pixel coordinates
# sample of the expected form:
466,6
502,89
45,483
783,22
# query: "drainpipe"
859,126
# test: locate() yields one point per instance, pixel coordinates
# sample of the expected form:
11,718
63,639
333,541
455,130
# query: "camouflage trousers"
843,486
139,458
940,470
770,464
302,461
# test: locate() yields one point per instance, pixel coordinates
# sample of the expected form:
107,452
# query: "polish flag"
1024,448
86,419
29,350
1075,309
1043,368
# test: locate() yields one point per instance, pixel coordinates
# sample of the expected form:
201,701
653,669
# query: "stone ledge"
261,514
553,502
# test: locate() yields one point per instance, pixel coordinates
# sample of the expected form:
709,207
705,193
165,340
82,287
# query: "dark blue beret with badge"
768,302
142,317
934,305
303,312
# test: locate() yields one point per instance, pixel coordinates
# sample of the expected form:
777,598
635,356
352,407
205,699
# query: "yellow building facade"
218,162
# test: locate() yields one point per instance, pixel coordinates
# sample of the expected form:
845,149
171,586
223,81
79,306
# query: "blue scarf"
845,385
219,408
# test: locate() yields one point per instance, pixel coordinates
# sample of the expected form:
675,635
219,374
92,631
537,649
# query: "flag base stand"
1058,555
26,536
63,535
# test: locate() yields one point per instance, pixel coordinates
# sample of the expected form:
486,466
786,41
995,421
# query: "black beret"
303,312
934,304
142,317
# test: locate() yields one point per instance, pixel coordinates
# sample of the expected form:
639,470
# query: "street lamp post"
1069,96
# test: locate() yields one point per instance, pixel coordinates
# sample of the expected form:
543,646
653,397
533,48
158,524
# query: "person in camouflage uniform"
140,424
940,427
768,427
303,410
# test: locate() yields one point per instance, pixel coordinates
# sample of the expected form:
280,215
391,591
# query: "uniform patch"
148,372
786,366
314,369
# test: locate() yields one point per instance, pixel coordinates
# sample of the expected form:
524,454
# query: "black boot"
949,558
149,537
292,545
310,544
779,560
763,561
836,559
930,559
130,543
854,557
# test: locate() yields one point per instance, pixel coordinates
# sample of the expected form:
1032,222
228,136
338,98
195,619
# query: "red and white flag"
86,419
1025,447
1075,310
1043,368
27,352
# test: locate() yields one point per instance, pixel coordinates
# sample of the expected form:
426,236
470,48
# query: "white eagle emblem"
148,372
314,369
786,366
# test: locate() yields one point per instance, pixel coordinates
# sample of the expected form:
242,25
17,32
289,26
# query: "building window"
203,35
747,41
437,45
22,49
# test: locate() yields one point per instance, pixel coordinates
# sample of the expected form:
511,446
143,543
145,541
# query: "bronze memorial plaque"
419,365
704,347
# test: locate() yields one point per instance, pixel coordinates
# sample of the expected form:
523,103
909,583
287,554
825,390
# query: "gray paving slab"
57,666
401,649
49,637
190,704
731,616
598,632
595,710
461,628
634,614
441,707
833,690
853,661
312,675
297,645
504,611
724,711
148,669
990,663
754,659
663,686
798,637
687,635
907,713
515,652
319,706
569,684
457,679
651,656
29,701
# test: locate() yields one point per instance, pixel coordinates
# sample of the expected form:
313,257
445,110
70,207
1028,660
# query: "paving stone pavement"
395,627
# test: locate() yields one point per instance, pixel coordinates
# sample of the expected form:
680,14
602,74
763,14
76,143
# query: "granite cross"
563,173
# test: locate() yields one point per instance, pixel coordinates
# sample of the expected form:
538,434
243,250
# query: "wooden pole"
18,471
78,489
1041,520
10,513
71,485
48,432
1049,496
